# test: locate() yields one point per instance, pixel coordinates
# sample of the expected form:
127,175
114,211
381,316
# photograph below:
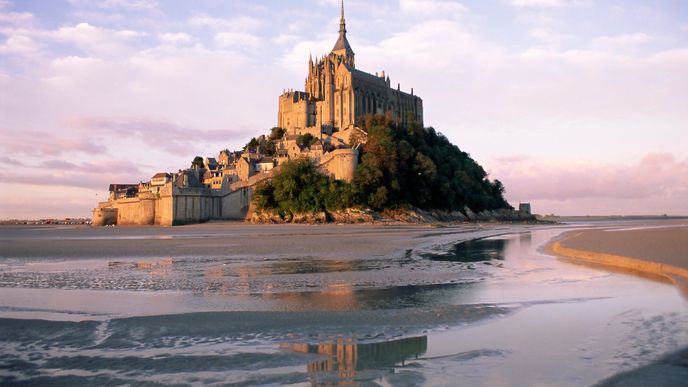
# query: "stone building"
336,94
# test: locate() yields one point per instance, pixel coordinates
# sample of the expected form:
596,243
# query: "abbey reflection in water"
345,356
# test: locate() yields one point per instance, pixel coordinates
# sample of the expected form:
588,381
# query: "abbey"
336,94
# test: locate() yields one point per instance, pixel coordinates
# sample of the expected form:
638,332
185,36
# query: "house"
210,163
118,191
160,179
265,164
245,168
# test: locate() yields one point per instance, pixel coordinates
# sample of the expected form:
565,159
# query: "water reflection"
343,296
344,357
478,250
525,239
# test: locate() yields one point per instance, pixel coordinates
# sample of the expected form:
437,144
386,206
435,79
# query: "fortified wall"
178,206
173,205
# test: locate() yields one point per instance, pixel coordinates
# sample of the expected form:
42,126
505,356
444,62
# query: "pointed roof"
342,42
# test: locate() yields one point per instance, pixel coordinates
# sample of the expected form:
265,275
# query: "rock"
352,215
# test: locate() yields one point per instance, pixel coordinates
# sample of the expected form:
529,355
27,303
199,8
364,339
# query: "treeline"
398,167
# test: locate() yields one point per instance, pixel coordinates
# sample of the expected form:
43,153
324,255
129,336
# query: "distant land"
45,221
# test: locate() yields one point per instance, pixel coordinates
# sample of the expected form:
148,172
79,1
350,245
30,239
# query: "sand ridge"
655,251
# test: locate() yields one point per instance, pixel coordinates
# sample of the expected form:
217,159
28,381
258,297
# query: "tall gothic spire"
342,22
342,43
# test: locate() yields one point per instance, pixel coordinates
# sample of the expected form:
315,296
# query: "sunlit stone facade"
336,94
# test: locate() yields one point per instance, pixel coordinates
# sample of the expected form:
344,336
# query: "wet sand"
669,371
259,305
222,238
655,251
659,252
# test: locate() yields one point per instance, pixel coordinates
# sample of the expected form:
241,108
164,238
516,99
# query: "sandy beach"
220,238
656,251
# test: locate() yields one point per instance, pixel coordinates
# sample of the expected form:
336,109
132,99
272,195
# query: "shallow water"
493,311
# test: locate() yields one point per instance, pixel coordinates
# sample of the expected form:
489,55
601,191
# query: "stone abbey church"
336,94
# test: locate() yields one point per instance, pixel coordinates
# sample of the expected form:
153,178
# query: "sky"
579,107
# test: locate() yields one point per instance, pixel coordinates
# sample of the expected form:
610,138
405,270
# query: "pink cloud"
71,178
10,161
33,142
654,178
156,134
97,166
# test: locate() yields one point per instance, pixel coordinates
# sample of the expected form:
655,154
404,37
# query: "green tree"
300,187
306,140
270,148
418,166
197,162
253,144
276,133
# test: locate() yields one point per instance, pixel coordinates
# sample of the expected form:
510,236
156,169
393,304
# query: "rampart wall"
340,163
176,206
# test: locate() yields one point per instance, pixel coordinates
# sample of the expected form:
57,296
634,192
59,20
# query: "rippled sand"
309,305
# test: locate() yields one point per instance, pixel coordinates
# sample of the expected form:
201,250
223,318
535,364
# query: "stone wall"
104,216
138,211
340,163
193,205
164,211
235,205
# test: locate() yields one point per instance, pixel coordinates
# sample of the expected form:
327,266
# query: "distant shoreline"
656,250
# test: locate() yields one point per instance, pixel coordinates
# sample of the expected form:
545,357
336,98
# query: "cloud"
39,143
16,18
94,174
135,5
10,161
432,8
548,36
637,38
96,40
67,179
58,164
238,23
236,39
155,134
95,166
621,43
656,175
539,3
177,38
19,44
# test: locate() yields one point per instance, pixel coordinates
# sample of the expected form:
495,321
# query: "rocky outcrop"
401,215
353,215
263,217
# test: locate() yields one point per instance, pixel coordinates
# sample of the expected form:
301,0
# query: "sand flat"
665,245
254,305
